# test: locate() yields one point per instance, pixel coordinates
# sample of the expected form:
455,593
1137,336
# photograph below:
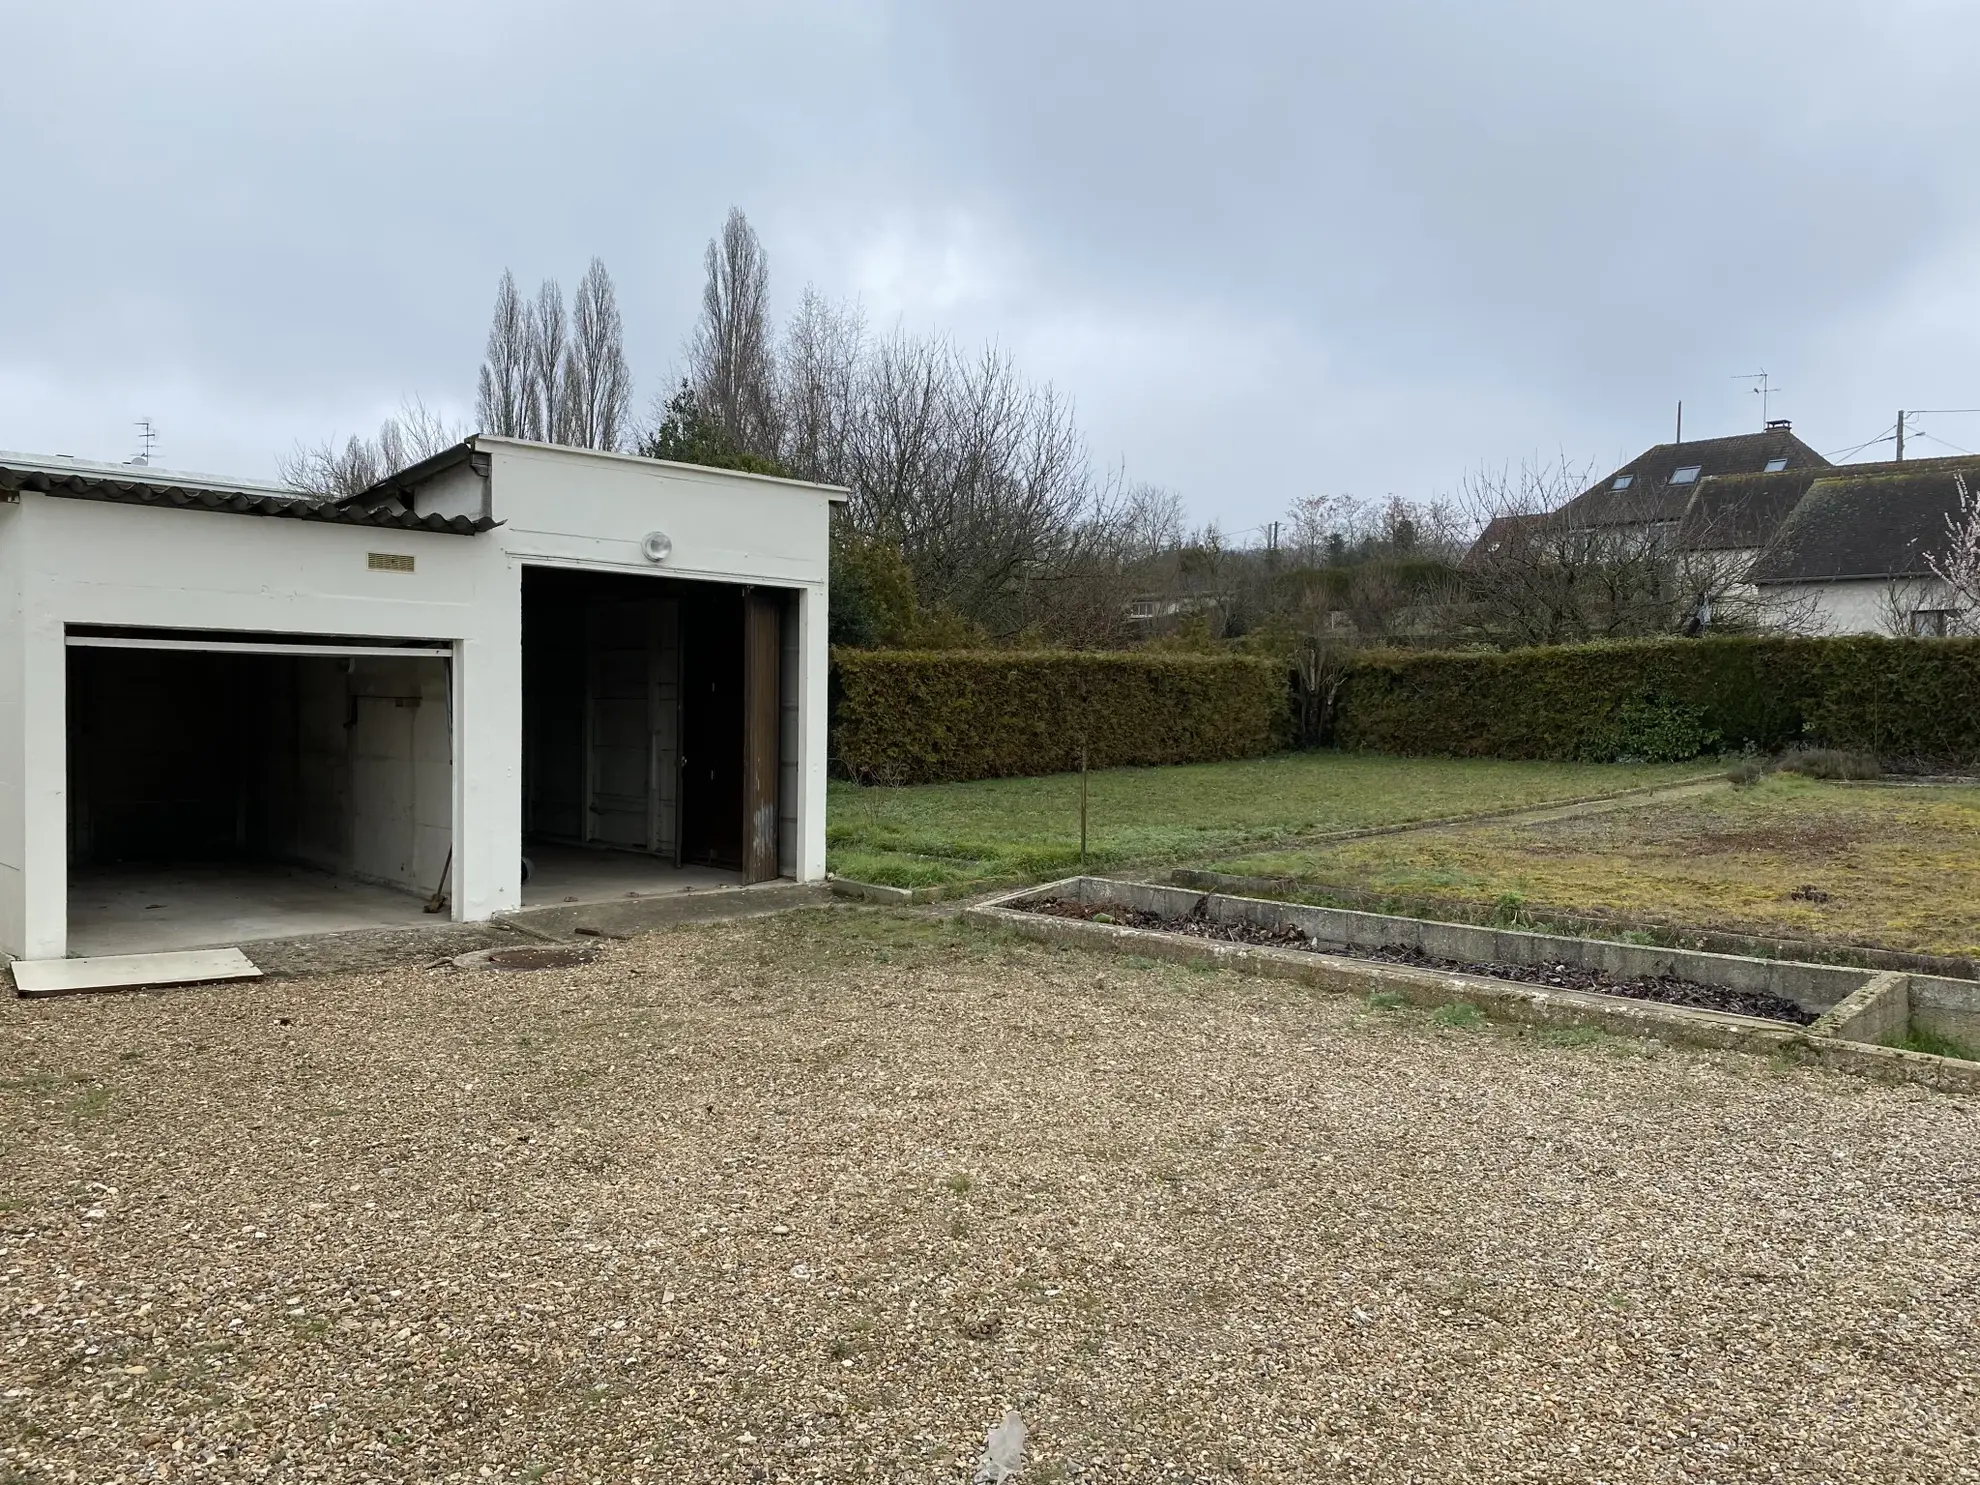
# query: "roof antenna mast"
1680,437
1764,389
147,440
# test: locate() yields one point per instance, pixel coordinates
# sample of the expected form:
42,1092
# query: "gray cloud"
1271,249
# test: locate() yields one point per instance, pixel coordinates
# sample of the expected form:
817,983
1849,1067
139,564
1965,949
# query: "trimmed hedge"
1915,699
913,717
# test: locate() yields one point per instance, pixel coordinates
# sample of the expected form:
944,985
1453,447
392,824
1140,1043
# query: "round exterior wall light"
657,547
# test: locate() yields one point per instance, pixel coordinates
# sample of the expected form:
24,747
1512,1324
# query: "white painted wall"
13,845
1847,606
574,507
65,562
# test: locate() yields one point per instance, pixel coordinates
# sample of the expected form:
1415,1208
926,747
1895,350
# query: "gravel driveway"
817,1198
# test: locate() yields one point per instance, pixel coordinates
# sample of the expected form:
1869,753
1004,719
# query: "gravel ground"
818,1197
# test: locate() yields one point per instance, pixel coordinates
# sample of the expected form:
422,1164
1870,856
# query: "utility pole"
1900,451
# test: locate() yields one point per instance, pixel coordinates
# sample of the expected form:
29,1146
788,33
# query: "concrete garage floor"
154,908
589,874
151,908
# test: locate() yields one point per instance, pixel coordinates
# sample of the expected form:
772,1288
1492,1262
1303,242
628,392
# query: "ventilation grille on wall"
388,562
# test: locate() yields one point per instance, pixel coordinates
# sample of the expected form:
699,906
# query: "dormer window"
1774,466
1687,475
1622,482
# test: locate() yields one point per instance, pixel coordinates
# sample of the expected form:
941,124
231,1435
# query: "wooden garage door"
762,655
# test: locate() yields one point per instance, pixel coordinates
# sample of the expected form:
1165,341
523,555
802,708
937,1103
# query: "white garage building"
227,712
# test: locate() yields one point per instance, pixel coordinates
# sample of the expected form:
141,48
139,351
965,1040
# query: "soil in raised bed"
1663,989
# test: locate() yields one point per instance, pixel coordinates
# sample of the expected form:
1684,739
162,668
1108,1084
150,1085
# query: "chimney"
1780,425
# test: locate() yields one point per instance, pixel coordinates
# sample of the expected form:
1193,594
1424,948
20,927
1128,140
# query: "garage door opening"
218,796
659,735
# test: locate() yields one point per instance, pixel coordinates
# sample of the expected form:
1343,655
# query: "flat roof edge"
838,494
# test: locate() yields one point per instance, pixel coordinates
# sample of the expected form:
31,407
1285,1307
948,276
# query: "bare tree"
503,402
549,411
597,382
823,350
730,355
328,471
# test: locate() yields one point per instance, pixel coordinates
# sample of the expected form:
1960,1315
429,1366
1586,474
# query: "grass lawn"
938,833
1897,867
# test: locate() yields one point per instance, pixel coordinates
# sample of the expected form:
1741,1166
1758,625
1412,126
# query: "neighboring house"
1721,495
1852,554
1152,608
614,662
1764,522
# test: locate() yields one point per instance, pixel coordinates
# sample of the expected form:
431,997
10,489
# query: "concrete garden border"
1858,1007
1710,940
916,896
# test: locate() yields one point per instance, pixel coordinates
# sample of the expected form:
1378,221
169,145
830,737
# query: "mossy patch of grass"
1934,1044
1462,1015
1789,857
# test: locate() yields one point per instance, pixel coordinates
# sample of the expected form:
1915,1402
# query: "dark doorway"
712,773
637,729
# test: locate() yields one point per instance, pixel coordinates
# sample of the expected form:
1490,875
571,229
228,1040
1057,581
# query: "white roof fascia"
838,494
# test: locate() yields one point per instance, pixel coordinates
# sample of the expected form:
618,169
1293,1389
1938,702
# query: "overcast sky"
1270,249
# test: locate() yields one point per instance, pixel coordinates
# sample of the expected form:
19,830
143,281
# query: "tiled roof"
1502,536
1741,512
1868,521
164,492
1650,495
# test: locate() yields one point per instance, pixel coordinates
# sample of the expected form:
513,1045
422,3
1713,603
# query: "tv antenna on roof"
1764,389
147,440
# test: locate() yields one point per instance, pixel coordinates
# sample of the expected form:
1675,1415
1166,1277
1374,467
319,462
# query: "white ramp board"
38,977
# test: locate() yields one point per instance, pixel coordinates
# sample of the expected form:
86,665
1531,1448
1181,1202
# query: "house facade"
507,643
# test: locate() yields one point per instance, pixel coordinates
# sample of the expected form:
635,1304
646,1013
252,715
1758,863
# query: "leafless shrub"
329,471
1830,763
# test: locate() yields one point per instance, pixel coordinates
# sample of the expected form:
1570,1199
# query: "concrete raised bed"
1858,1009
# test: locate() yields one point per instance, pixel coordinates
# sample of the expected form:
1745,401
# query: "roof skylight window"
1622,482
1774,466
1687,475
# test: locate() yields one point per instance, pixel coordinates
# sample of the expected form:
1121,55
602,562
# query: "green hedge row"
911,717
1915,699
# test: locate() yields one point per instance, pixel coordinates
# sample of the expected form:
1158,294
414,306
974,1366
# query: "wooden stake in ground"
1082,807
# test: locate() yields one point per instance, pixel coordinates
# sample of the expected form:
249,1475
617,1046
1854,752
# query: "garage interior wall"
338,763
